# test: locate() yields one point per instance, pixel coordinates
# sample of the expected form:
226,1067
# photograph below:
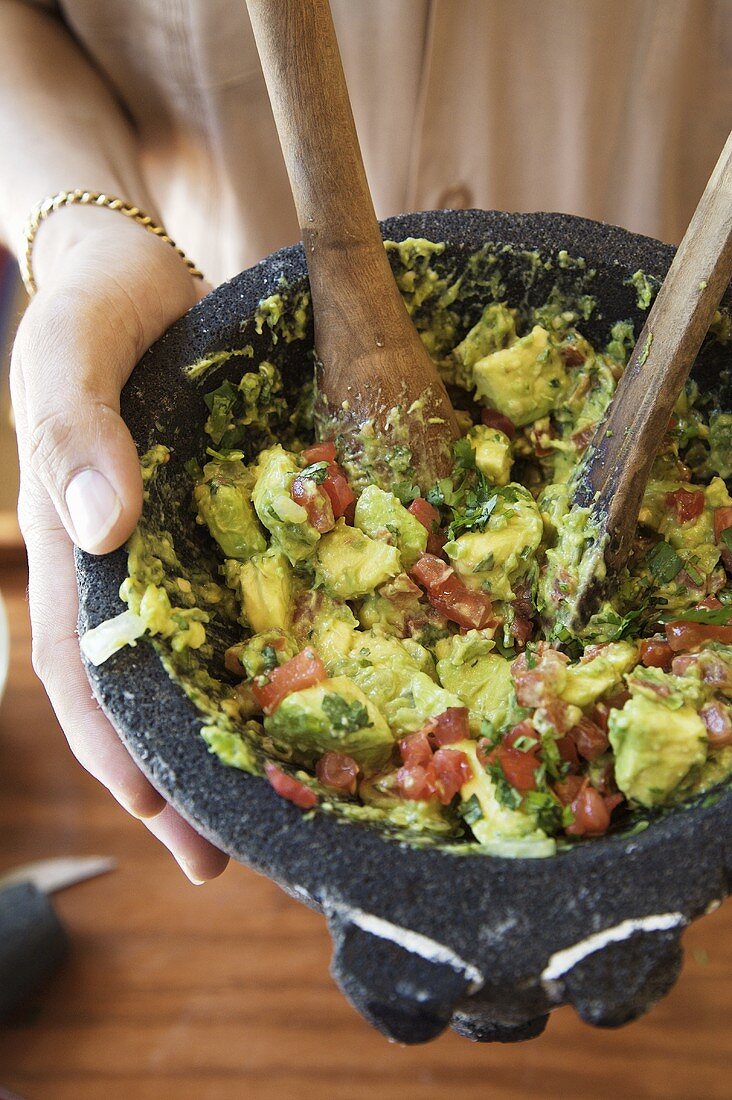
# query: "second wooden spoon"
611,481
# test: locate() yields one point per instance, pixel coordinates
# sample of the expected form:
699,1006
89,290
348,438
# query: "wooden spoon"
371,359
613,477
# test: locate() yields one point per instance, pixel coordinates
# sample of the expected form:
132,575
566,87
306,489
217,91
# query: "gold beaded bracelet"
40,212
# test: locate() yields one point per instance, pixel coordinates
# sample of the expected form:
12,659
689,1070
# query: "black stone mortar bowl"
423,938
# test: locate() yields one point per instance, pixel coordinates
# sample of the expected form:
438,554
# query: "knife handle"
32,944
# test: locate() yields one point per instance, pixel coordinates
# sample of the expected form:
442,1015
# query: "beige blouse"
614,109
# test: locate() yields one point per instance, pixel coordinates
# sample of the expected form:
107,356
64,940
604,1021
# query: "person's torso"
616,111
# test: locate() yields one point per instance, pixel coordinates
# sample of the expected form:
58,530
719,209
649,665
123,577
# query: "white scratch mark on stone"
563,961
414,942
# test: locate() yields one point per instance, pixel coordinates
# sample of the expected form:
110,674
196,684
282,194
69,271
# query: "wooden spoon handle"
302,68
357,306
371,359
613,478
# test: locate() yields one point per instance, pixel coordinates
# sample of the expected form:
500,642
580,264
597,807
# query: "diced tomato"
290,788
416,749
320,452
716,718
656,653
340,492
613,800
688,506
568,788
522,626
447,593
432,572
711,603
617,700
416,782
483,749
450,726
451,769
557,715
582,438
568,752
572,356
518,765
722,520
591,815
493,419
428,516
591,740
684,636
521,629
539,436
469,609
423,777
435,542
338,771
600,714
316,503
518,768
299,672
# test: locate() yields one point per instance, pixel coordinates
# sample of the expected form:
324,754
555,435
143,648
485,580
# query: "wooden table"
176,992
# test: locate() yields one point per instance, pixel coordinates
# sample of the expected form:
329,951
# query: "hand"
107,290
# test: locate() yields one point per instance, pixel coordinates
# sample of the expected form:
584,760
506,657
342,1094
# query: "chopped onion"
102,641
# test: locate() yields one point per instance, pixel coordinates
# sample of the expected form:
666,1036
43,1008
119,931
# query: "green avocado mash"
391,653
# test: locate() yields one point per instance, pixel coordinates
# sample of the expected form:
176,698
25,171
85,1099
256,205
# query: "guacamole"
389,655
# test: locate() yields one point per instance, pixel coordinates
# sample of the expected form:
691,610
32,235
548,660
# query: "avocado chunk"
394,678
334,630
492,453
349,564
495,826
263,652
496,329
392,606
480,678
224,503
655,748
382,516
286,521
332,716
588,681
524,381
265,588
496,557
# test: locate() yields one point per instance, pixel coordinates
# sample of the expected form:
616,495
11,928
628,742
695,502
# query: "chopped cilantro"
471,810
506,794
316,472
269,658
477,508
726,537
405,491
464,454
525,743
345,716
225,454
546,808
718,616
664,563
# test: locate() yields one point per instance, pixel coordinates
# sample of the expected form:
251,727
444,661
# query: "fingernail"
188,873
94,508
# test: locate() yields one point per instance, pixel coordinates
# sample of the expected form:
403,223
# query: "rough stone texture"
503,919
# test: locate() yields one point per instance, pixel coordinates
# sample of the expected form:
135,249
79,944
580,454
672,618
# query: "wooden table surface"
177,992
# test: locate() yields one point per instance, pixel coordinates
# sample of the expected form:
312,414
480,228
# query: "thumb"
75,349
66,375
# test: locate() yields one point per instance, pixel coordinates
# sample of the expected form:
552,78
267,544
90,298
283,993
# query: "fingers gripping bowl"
426,934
